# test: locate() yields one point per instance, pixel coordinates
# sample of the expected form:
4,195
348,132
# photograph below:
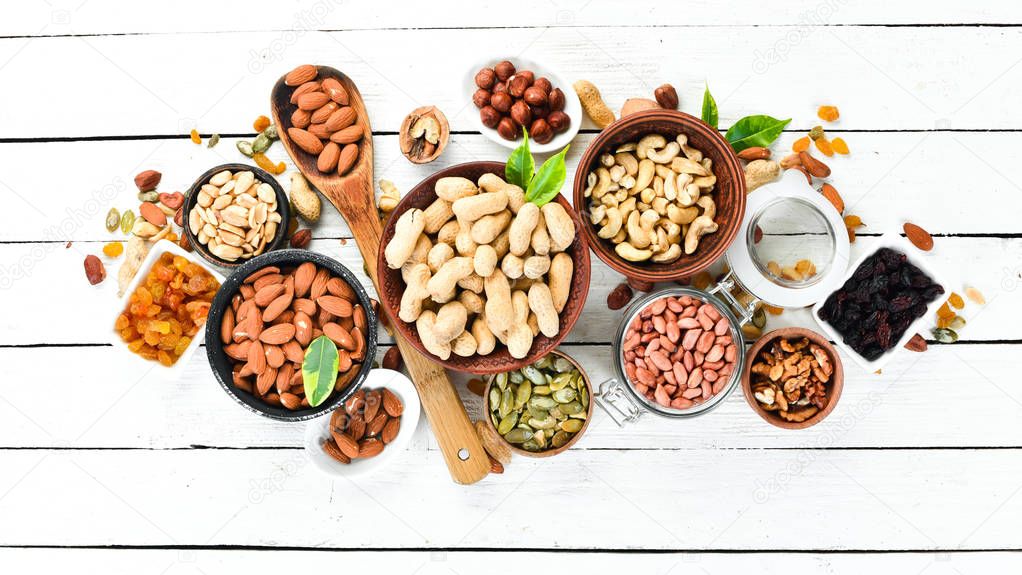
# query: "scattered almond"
919,237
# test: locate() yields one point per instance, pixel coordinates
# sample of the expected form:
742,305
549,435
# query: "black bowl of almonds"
235,212
542,408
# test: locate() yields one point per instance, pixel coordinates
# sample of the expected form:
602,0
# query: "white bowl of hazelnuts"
517,94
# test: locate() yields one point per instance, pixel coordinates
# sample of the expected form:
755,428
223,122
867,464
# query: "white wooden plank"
700,499
41,278
181,562
150,84
105,404
890,177
107,18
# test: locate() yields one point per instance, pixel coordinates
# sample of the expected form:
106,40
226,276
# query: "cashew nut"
709,208
632,253
602,182
647,169
665,155
640,226
697,229
613,225
687,166
630,163
648,143
672,253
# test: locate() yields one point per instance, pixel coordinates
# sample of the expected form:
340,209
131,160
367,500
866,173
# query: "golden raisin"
196,139
956,300
265,163
800,145
944,311
261,123
852,221
828,113
840,146
824,146
113,249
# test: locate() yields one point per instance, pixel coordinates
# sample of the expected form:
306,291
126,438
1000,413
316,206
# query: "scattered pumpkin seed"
759,318
152,196
945,335
245,148
260,144
270,132
213,140
113,219
540,406
127,221
957,323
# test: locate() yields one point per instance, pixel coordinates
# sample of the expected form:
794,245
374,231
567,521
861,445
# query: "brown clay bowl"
834,387
392,286
556,450
729,193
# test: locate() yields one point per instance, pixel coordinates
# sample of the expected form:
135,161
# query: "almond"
349,154
303,328
148,180
293,351
265,382
331,449
919,237
302,90
356,402
256,358
357,427
496,467
341,289
301,75
391,403
312,100
268,279
346,444
319,130
754,153
153,214
376,425
372,407
277,306
278,334
830,192
268,270
391,429
274,355
340,119
814,166
369,448
301,118
327,160
392,360
321,114
306,306
339,335
290,401
301,238
304,140
336,91
334,305
303,278
268,293
348,135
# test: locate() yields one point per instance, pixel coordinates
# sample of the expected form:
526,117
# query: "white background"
105,468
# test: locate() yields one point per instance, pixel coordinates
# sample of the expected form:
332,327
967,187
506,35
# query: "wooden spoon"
353,196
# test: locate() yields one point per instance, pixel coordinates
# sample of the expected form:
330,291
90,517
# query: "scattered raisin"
824,146
956,300
839,145
261,123
800,145
196,139
113,249
828,113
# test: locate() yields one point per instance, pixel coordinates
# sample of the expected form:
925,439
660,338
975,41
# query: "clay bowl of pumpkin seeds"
541,409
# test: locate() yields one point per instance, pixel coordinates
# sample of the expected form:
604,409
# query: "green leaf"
548,181
759,130
709,108
520,167
319,369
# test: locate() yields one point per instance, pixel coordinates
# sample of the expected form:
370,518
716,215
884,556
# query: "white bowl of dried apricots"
162,314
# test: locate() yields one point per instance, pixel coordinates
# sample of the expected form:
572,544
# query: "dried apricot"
956,300
828,113
113,249
852,221
945,312
196,139
824,146
840,146
261,123
801,144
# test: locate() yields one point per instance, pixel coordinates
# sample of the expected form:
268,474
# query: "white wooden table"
106,468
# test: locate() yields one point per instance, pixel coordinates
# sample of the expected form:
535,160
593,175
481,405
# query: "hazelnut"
535,96
541,132
543,84
504,70
539,111
559,121
666,96
517,85
501,102
489,116
556,99
528,76
521,113
508,129
481,97
500,88
485,78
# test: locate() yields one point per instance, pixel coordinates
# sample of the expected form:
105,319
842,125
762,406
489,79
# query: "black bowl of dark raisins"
878,307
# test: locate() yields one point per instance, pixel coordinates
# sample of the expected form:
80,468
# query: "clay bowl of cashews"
478,279
661,195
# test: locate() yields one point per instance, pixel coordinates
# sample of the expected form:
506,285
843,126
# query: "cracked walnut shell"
424,134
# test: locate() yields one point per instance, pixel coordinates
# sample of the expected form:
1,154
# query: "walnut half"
424,134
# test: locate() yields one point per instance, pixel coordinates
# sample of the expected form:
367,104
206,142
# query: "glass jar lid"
792,245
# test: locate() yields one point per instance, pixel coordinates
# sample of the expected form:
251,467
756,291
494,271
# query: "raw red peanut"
666,96
813,166
152,214
754,153
148,180
172,200
94,270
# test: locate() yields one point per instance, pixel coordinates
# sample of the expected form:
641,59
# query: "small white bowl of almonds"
235,212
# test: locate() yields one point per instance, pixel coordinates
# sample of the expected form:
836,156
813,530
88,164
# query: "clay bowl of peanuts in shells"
792,378
662,195
264,317
478,279
234,212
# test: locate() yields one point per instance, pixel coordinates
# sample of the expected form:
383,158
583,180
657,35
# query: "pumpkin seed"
542,402
245,148
957,323
494,397
564,395
113,219
571,425
271,132
562,365
560,438
127,221
543,363
531,446
537,413
541,390
572,408
548,423
505,403
944,335
560,381
534,375
151,196
516,377
260,144
518,435
502,381
759,318
522,394
508,423
213,140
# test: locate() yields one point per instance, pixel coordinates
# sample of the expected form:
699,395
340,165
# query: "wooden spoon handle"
466,459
